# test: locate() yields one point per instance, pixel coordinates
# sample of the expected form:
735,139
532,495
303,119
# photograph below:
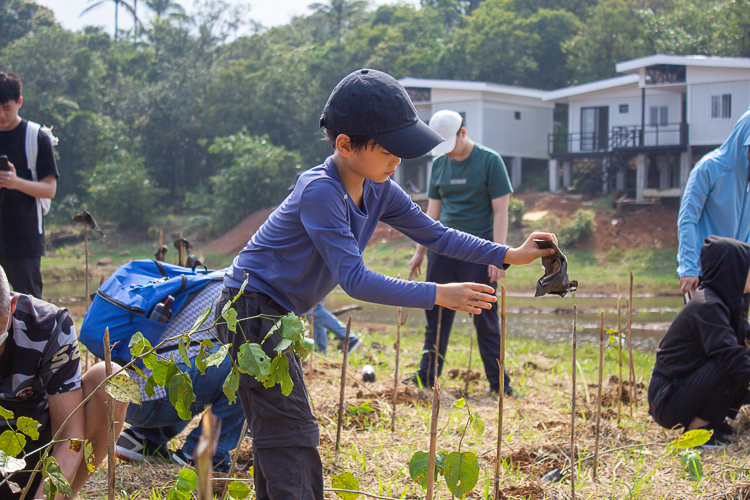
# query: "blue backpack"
126,299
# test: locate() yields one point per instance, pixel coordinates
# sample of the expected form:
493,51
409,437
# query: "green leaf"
242,289
124,388
29,426
232,384
174,494
138,345
12,443
53,473
150,360
238,490
138,371
149,387
477,423
291,327
283,345
693,466
6,414
345,481
183,353
201,319
279,374
231,316
200,359
461,472
187,480
217,357
440,463
418,466
164,371
181,394
691,439
253,361
460,403
305,347
9,465
88,456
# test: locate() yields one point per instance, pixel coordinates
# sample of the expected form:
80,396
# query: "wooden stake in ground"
343,386
599,395
619,356
633,387
111,438
312,334
435,415
182,250
573,415
395,376
204,454
88,222
471,348
233,465
501,395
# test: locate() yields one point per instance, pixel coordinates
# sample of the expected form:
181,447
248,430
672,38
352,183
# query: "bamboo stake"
599,395
573,414
343,386
395,377
501,395
161,238
311,369
633,387
86,279
435,414
619,356
111,438
233,465
182,250
204,454
471,348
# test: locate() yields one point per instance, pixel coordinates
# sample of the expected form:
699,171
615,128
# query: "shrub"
577,229
516,211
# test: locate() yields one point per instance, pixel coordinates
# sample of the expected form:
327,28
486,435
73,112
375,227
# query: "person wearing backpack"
28,184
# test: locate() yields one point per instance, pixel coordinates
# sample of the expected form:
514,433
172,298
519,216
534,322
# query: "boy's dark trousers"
707,393
24,274
441,269
285,434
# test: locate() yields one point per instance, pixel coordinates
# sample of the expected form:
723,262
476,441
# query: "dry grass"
536,431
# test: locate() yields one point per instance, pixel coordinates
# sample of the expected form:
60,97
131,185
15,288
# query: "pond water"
547,319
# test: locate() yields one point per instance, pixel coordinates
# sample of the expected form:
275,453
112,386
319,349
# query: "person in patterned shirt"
40,378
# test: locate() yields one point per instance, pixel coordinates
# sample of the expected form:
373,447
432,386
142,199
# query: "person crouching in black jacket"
702,366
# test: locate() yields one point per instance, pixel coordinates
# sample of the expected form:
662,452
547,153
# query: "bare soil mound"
236,238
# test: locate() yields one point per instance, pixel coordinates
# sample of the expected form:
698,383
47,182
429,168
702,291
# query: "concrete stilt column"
605,175
553,176
640,177
567,179
515,171
686,163
665,171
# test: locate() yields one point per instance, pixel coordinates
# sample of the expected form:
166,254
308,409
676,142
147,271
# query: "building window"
624,108
721,107
419,94
658,116
518,115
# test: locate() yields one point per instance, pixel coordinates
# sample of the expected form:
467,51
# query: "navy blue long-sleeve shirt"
314,241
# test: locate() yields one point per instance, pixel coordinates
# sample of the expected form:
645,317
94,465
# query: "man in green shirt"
469,190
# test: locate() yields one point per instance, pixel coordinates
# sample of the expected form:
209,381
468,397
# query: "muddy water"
547,319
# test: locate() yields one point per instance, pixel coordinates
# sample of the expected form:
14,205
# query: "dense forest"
209,113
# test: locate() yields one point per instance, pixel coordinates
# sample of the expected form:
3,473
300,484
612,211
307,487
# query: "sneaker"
353,345
179,457
415,380
717,441
131,447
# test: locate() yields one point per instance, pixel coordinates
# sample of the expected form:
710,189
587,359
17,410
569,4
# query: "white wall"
705,131
526,137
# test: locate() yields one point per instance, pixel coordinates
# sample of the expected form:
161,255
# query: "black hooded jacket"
714,323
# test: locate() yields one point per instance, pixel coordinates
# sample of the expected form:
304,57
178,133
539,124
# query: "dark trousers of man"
707,393
24,274
286,463
441,269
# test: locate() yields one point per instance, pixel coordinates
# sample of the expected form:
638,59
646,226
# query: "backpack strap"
32,152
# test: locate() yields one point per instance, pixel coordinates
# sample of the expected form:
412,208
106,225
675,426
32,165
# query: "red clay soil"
236,238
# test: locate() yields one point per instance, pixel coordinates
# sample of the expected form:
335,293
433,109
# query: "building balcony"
635,138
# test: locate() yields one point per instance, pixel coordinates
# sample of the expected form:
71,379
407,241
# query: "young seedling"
633,388
471,348
573,415
343,386
501,395
435,413
599,396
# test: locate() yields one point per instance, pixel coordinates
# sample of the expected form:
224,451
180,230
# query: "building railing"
619,138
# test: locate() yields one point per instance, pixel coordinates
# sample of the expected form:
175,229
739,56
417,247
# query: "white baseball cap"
447,123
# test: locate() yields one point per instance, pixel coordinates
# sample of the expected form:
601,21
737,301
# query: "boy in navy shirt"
314,241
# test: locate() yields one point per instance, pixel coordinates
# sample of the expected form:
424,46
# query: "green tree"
340,12
19,17
117,3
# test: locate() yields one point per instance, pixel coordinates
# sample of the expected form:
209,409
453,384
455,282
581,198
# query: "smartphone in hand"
4,167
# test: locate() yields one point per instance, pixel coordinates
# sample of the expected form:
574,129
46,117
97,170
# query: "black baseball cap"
370,102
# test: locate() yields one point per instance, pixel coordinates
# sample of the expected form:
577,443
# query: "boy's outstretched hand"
529,252
469,297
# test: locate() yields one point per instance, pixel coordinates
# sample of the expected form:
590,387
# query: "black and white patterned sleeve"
61,363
